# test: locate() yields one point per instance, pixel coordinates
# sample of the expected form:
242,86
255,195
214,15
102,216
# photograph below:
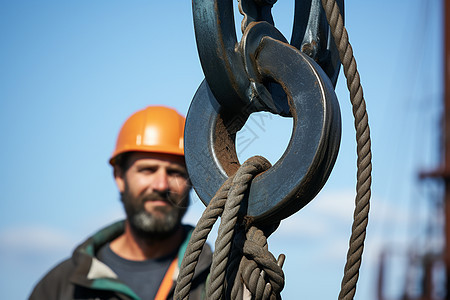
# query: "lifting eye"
306,163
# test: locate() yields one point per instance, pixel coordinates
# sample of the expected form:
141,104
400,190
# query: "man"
137,258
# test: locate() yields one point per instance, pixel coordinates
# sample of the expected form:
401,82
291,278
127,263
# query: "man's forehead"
156,159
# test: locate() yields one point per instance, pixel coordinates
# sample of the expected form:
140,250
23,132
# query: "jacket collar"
92,273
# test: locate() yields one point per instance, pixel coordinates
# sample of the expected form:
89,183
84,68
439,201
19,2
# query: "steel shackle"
222,63
295,179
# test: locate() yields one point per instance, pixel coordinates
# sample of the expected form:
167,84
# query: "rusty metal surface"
216,41
311,35
219,54
262,72
307,162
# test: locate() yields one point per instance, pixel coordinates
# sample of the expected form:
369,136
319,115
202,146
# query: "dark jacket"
83,276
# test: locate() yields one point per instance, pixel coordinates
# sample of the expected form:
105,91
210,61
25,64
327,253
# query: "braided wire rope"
364,164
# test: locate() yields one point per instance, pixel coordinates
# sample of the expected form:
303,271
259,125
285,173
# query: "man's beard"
159,225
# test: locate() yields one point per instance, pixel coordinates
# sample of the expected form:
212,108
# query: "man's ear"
119,178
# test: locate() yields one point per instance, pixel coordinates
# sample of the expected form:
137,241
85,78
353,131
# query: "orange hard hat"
155,129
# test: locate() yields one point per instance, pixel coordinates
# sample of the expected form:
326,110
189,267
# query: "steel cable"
364,164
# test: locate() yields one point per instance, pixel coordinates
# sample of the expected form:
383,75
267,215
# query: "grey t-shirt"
143,277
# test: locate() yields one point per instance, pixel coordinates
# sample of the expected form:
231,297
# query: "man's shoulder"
58,280
53,281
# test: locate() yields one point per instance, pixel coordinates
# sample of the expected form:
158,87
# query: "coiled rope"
364,162
240,258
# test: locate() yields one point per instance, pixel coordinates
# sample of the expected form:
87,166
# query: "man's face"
154,190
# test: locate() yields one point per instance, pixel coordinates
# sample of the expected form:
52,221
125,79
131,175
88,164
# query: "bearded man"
137,258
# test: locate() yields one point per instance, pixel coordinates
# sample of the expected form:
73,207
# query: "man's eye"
148,170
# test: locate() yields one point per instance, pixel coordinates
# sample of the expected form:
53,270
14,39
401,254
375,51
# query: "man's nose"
161,180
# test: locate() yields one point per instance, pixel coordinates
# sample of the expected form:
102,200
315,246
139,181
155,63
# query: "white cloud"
301,226
322,217
325,225
34,239
337,205
333,209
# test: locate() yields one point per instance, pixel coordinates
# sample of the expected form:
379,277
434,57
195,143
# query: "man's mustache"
155,196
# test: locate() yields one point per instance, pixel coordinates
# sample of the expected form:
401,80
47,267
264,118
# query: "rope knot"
242,262
259,273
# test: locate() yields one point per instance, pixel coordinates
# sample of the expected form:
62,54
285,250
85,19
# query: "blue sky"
72,71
